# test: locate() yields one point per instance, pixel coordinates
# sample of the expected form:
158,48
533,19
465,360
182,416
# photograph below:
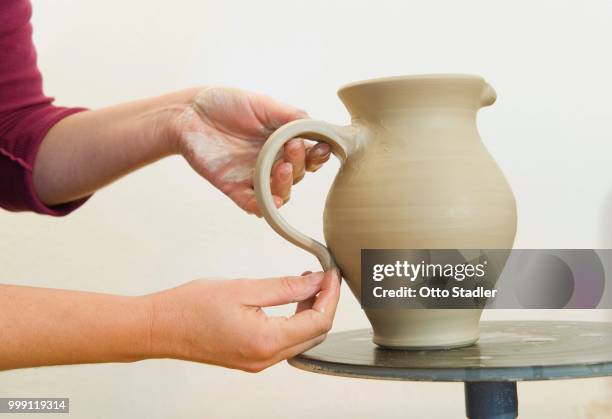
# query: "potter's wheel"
507,352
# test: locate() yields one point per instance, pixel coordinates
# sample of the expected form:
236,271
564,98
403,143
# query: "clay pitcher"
414,175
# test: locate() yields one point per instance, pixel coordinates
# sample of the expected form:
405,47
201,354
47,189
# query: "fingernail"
319,152
322,149
336,274
316,278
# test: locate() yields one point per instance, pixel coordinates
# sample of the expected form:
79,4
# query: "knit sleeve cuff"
17,159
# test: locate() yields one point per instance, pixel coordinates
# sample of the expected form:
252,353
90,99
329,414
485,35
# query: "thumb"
283,290
273,114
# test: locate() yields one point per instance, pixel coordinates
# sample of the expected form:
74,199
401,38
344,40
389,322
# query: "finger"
245,198
305,304
295,154
251,206
284,290
317,156
327,298
282,179
310,323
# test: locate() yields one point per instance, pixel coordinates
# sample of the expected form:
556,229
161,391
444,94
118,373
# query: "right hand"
222,322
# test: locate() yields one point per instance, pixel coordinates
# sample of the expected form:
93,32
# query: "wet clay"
414,175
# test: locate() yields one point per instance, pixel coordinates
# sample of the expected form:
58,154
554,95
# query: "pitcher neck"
416,97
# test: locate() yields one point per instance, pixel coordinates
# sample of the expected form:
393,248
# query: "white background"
549,131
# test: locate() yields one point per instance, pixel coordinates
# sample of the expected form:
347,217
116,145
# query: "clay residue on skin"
216,155
211,151
216,99
238,174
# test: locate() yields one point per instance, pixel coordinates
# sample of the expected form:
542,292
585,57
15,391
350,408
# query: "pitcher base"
405,346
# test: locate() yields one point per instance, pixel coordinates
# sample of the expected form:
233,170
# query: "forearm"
91,149
40,326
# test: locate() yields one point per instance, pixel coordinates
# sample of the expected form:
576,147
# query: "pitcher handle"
342,142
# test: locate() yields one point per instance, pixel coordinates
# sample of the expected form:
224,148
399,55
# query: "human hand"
222,322
221,132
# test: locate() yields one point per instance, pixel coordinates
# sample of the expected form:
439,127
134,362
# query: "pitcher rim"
413,77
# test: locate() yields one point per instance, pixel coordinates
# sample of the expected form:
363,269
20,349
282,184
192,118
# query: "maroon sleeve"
26,114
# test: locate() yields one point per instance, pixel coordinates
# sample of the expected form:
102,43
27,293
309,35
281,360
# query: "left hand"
221,133
224,323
